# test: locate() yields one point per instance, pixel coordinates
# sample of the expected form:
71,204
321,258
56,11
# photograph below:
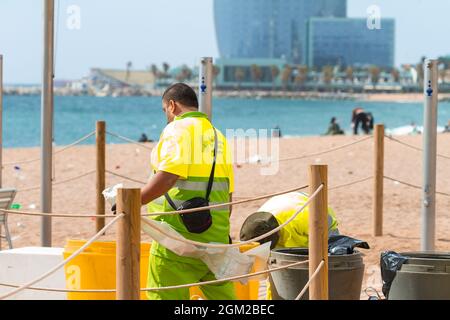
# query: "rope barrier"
125,177
324,151
413,147
128,140
55,152
249,275
80,215
213,245
56,215
59,182
223,204
350,183
415,186
319,267
63,263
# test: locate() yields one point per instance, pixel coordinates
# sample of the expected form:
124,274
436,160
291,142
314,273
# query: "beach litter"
16,206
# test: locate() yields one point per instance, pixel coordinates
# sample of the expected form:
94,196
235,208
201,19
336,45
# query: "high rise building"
338,41
269,28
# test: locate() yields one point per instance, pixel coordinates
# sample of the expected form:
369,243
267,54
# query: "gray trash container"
424,276
345,272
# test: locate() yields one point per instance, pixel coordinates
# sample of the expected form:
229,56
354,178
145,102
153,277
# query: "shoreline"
283,138
250,94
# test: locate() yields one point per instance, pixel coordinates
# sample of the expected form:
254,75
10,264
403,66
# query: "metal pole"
1,121
429,154
47,123
205,86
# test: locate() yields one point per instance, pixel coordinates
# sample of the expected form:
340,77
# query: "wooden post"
378,180
128,244
100,136
318,232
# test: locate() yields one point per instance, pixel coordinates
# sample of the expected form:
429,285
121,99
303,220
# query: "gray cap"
257,224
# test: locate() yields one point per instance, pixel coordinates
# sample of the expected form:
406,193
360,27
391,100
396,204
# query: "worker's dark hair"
182,93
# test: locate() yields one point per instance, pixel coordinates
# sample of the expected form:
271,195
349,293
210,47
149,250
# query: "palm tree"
395,75
256,74
216,71
327,74
166,69
286,76
184,74
349,74
302,76
374,72
239,75
154,70
275,72
129,66
420,72
443,73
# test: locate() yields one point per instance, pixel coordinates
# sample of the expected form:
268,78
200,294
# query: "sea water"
132,116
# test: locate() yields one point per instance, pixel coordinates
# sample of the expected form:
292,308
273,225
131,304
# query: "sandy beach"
353,204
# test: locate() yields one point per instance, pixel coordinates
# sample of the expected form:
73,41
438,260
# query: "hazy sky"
177,31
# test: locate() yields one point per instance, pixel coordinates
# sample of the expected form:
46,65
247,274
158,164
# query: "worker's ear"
172,106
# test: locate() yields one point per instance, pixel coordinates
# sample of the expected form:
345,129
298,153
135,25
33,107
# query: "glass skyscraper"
269,28
337,41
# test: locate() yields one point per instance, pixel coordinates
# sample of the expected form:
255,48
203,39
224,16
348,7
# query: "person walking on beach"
359,116
334,128
276,211
191,167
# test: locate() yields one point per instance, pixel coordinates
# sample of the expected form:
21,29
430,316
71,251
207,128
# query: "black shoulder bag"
200,221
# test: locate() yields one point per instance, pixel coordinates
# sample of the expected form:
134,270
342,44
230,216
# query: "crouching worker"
191,167
277,211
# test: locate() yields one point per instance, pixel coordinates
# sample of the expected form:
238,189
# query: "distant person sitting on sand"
276,211
447,127
144,138
276,132
334,128
415,130
359,116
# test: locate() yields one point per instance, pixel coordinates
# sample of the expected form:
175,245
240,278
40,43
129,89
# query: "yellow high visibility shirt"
186,149
295,234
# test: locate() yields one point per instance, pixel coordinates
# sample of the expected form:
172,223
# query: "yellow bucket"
248,291
95,268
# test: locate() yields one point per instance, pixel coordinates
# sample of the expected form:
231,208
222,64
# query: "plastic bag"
223,262
390,263
230,262
341,245
110,193
181,248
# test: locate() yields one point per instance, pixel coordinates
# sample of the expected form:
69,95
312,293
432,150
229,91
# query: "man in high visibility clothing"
190,153
277,211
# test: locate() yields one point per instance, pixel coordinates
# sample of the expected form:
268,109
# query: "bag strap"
211,175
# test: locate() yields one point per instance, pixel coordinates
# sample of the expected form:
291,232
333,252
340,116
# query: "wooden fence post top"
318,232
128,244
